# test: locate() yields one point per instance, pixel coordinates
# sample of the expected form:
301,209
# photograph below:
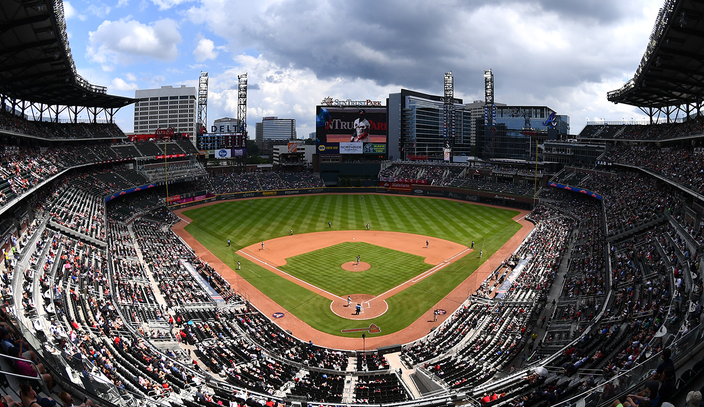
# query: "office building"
167,107
416,126
273,130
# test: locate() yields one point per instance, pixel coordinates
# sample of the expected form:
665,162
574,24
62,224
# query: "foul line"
285,273
425,274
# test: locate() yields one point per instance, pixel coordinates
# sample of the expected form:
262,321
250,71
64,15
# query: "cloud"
282,91
544,52
167,4
121,84
69,11
153,80
205,50
123,41
99,10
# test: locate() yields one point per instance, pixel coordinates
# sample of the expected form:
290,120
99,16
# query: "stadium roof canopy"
35,59
671,72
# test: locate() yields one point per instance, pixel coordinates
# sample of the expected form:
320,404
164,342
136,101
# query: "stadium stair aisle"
395,364
155,287
20,268
348,392
38,268
162,303
351,363
288,386
548,312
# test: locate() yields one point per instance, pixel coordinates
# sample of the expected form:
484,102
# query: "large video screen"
358,124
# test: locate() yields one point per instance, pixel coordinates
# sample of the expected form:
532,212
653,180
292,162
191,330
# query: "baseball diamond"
303,274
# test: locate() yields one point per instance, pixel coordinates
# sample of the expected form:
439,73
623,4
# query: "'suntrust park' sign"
328,101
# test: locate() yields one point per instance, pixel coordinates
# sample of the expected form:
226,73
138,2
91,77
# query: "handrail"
37,377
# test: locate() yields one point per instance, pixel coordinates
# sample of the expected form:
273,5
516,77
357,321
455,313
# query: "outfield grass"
247,222
323,269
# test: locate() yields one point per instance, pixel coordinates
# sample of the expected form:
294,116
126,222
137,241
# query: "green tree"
252,148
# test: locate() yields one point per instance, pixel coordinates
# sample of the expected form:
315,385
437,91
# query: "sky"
562,54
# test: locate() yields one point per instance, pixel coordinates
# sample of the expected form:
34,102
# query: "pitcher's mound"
353,266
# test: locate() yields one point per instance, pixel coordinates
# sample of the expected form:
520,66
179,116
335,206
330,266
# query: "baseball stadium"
144,270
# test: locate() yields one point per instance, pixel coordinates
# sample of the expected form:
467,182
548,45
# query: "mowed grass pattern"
247,222
322,268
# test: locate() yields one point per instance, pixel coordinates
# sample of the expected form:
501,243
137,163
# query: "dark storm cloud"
413,44
539,50
384,41
604,11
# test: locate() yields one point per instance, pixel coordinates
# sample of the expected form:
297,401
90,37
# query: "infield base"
371,306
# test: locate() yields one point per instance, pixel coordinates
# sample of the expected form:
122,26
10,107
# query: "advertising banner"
173,198
411,180
396,185
239,152
374,148
575,189
329,148
292,147
223,153
128,191
161,157
351,148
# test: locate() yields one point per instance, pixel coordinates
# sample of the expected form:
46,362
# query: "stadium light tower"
448,130
242,114
242,103
202,102
489,116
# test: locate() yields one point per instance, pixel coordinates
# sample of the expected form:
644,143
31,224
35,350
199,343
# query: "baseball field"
302,252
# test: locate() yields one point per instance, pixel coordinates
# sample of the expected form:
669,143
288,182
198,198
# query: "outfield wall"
485,197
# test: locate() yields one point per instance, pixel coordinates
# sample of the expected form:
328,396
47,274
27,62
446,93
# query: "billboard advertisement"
374,148
239,152
329,148
352,148
350,124
223,153
396,185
